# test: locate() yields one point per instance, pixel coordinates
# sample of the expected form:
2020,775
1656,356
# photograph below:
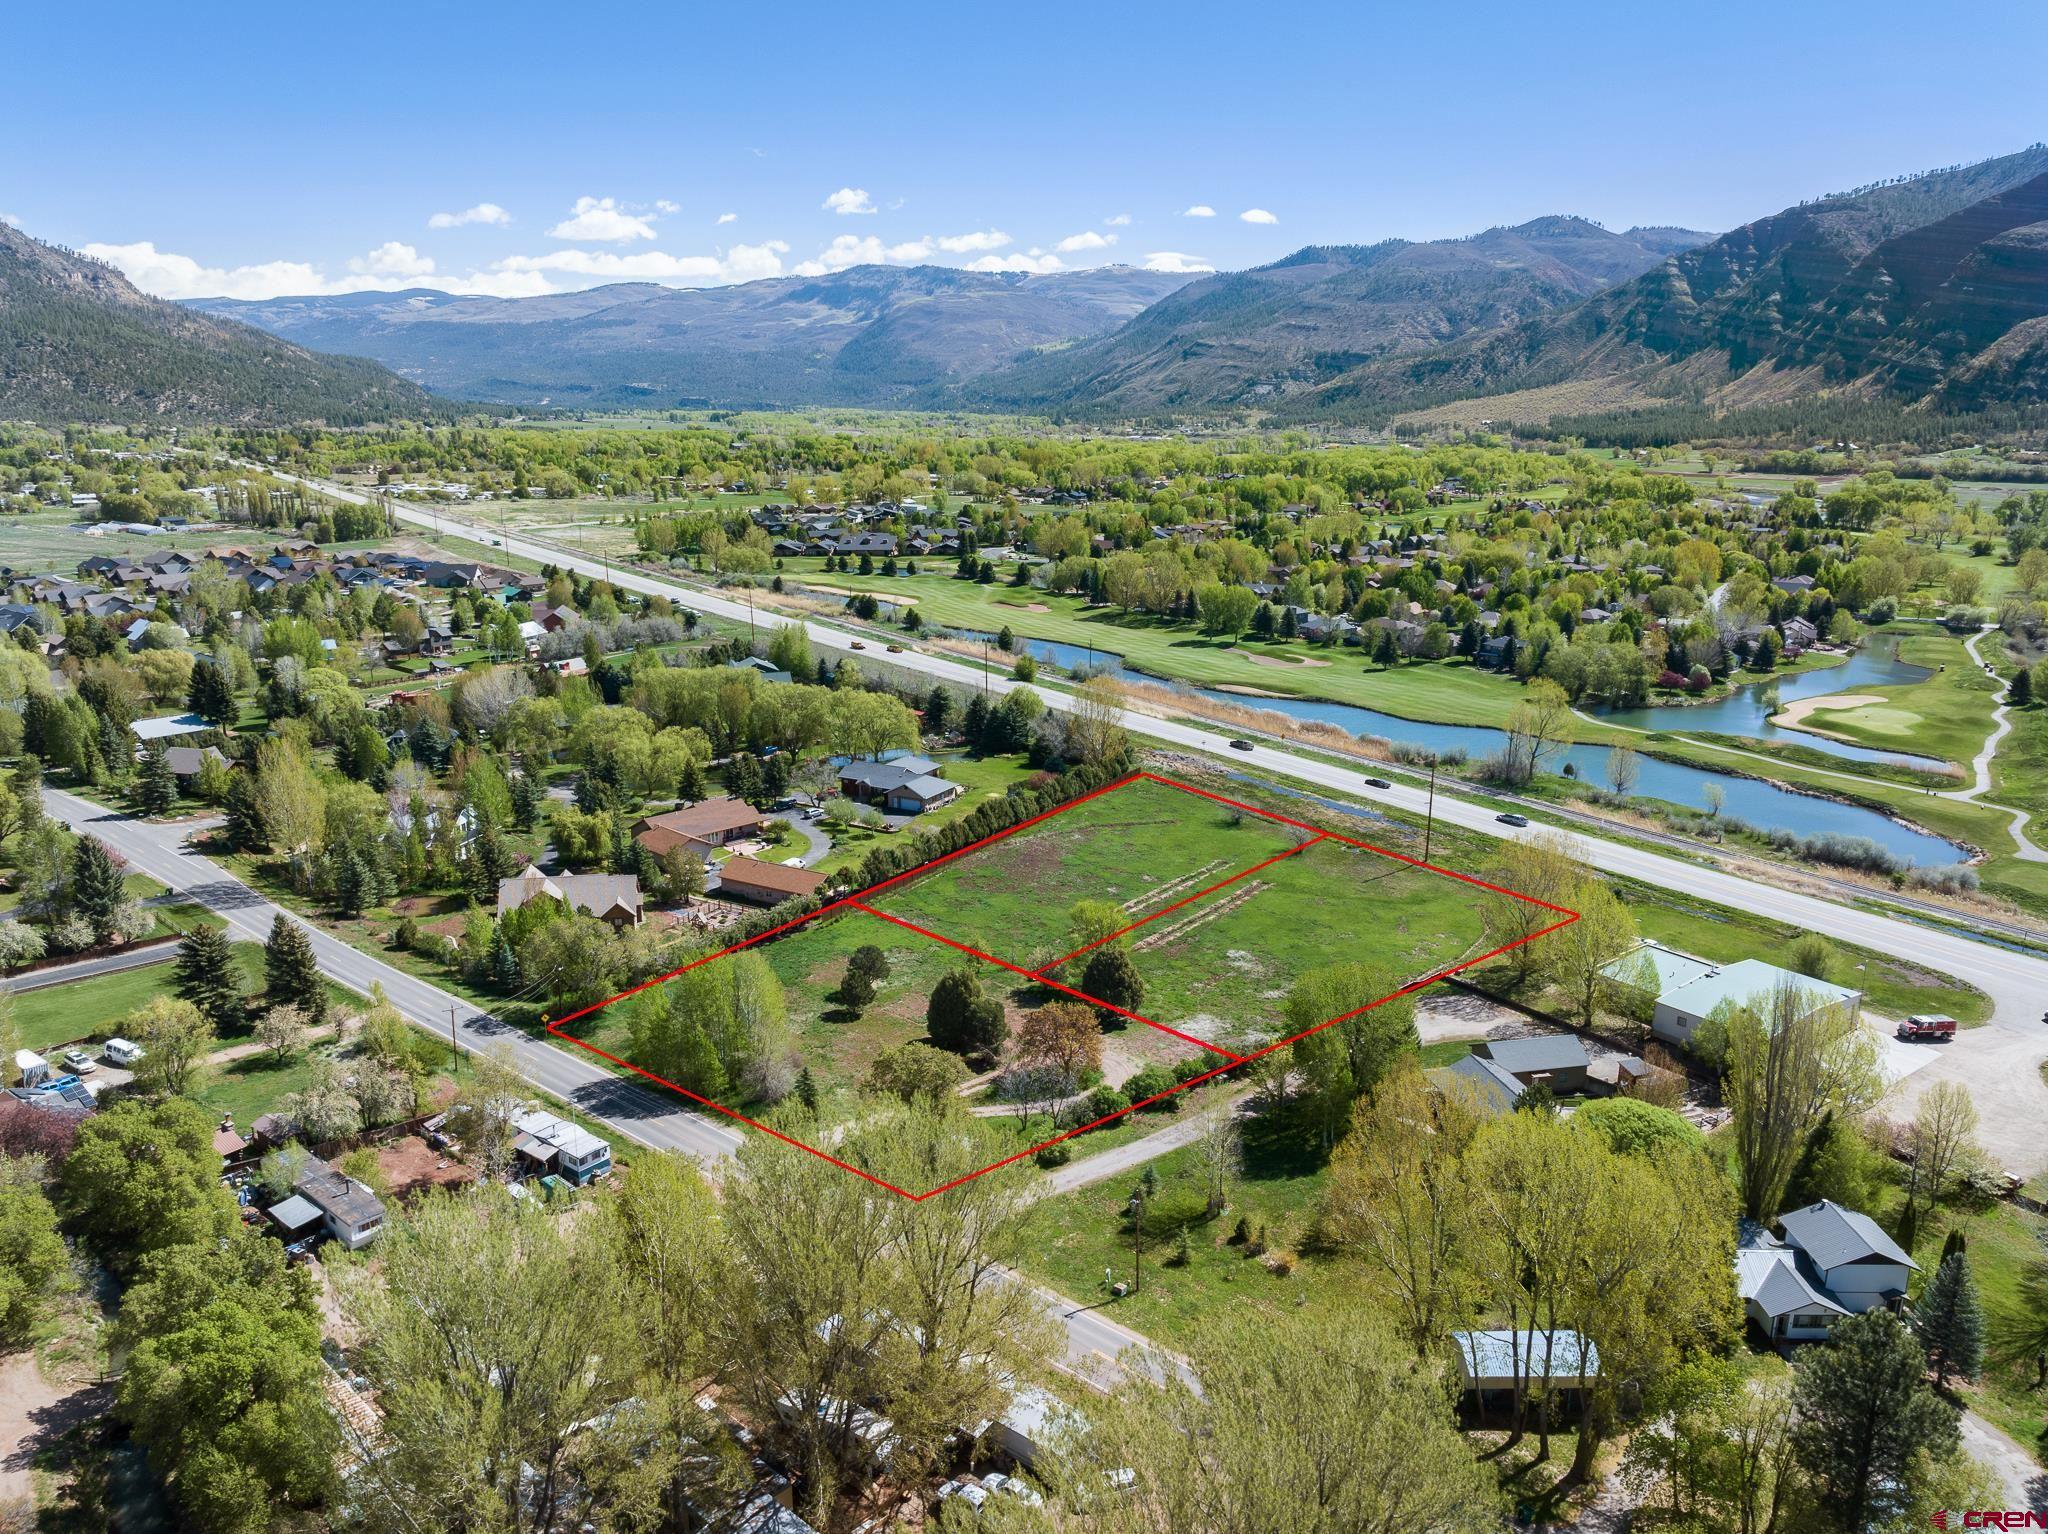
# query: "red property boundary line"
1233,1060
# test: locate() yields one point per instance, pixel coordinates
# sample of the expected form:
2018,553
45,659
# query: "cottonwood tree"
1622,769
1791,1062
1397,1199
486,1102
33,1258
1538,726
1337,1064
503,1406
915,1072
1575,958
1941,1140
144,1176
1095,730
1540,868
677,1272
175,1040
1377,1453
283,1031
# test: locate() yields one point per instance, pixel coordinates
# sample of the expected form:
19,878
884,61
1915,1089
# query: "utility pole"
984,669
453,1048
1429,820
1137,1240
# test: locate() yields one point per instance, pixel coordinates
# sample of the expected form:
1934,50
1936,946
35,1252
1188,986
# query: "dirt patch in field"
1280,660
412,1167
1028,607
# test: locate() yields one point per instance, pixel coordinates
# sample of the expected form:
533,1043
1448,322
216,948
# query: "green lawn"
92,1009
982,778
1221,970
1076,1236
1141,847
1948,715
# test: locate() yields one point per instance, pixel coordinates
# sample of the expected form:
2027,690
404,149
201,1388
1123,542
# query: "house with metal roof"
904,785
1688,990
609,897
1494,1367
1492,1087
548,1145
1824,1262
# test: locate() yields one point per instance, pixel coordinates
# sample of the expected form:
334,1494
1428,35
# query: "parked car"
858,645
1240,745
121,1052
1931,1026
973,1496
79,1061
1010,1486
1377,783
1512,819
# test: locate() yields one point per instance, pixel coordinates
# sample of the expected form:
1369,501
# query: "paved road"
639,1113
86,969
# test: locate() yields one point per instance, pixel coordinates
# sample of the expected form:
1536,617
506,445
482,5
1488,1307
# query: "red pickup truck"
1929,1026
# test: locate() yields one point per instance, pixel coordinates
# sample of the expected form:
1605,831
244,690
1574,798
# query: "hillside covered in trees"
79,342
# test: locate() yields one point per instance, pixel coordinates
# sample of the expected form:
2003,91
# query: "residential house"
1824,1262
761,883
711,823
1558,1060
766,669
1687,990
548,1146
168,726
1494,1367
1795,585
1492,1088
1799,634
904,785
349,1212
186,762
613,898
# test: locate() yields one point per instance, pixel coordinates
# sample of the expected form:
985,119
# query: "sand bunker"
1793,715
1279,660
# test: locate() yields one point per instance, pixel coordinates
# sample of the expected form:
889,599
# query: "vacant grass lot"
1221,969
1141,847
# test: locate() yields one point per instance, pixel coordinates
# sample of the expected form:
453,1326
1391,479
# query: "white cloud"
848,199
967,244
1199,210
393,259
727,218
741,263
1257,216
1087,239
1034,261
11,218
602,218
393,265
482,213
663,205
1176,261
1119,221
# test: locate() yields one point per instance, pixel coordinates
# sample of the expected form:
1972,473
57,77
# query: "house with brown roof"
712,823
765,883
609,897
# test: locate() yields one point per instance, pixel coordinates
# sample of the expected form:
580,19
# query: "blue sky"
256,150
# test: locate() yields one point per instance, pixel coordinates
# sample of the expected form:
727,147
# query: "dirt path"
34,1411
254,1047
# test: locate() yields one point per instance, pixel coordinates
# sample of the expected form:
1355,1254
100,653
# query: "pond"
1762,804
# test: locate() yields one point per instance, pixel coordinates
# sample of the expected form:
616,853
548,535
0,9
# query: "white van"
121,1052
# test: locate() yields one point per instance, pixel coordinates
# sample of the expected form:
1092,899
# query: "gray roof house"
349,1211
1558,1060
1827,1262
1495,1366
1492,1086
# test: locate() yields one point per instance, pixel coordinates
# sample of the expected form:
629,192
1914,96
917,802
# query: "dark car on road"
1240,745
1512,819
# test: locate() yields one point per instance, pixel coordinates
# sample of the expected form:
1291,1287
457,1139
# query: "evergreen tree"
489,861
291,975
526,797
242,817
1864,1413
1951,1321
207,975
505,971
975,725
743,778
690,787
807,1090
961,1018
938,710
351,884
2020,691
212,695
96,885
1111,977
156,790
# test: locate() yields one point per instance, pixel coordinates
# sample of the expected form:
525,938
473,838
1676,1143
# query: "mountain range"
79,342
1924,289
1930,287
869,335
